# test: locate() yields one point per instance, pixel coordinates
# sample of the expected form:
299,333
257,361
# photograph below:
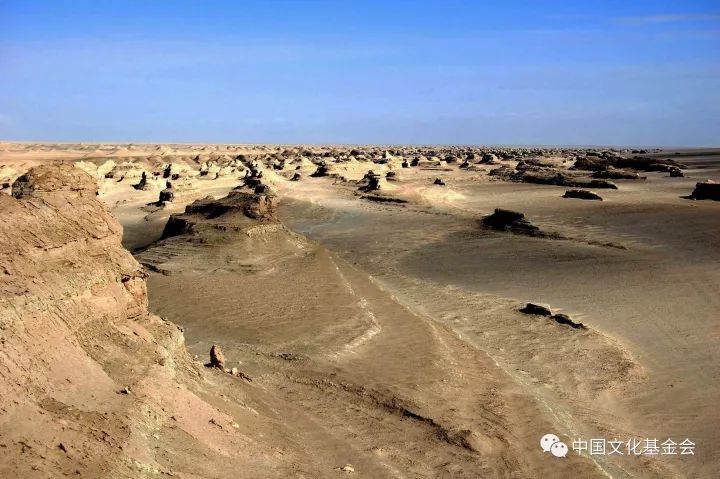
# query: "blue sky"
511,72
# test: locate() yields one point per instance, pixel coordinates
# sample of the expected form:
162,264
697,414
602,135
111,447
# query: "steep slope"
92,384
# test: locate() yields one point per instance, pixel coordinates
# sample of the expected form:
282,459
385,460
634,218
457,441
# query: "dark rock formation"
540,310
532,308
488,159
296,177
372,181
322,170
143,184
217,359
707,190
168,194
439,181
507,220
582,194
676,172
238,210
565,319
167,172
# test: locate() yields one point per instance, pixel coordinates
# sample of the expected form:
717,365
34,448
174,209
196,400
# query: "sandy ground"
388,336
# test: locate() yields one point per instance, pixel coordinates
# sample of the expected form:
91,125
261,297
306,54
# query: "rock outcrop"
582,194
507,220
55,181
238,210
93,385
560,318
217,358
707,190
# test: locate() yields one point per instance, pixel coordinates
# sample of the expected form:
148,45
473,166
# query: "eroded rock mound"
322,170
560,318
538,309
217,358
373,182
612,174
676,172
508,220
582,194
55,179
707,190
639,163
238,210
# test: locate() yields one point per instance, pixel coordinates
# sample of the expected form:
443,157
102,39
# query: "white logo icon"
552,444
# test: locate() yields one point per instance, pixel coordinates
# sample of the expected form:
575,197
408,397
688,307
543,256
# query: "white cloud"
667,18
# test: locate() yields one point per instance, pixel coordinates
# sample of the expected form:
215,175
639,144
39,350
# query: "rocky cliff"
93,385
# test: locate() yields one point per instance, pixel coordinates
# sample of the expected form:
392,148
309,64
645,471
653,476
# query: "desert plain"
373,311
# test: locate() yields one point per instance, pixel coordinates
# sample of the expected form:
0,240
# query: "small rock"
439,181
347,468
